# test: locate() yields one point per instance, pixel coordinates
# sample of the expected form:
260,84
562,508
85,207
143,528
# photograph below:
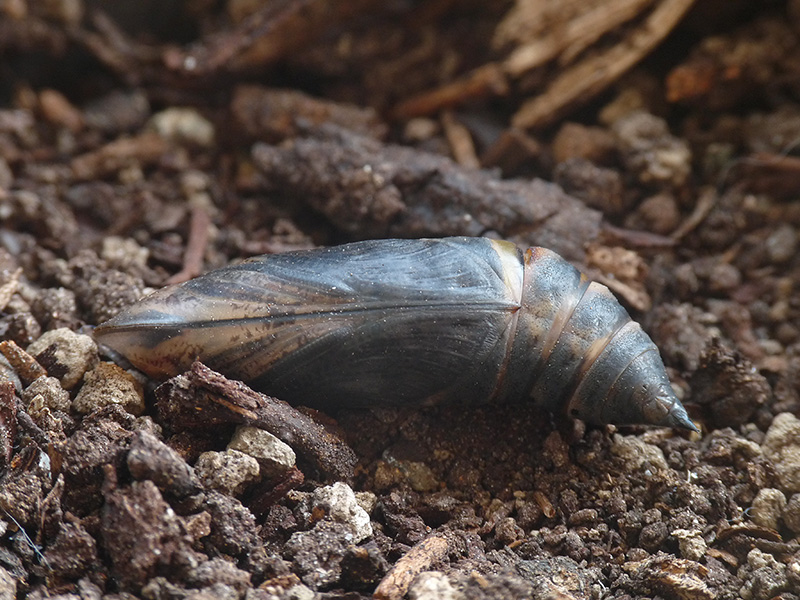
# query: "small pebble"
124,254
340,505
767,508
598,187
9,284
65,355
109,384
584,516
433,585
58,110
651,151
367,500
791,514
782,447
183,125
8,585
419,475
6,175
273,455
21,496
46,392
55,308
638,454
575,140
781,245
317,554
420,129
150,458
229,472
7,371
215,572
767,577
22,328
724,278
297,591
387,475
659,214
691,543
118,111
507,531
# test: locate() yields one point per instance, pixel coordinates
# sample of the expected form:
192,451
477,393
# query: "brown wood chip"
420,558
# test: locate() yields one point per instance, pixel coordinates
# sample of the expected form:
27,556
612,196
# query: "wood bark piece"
588,77
143,149
705,202
369,189
204,398
272,115
485,81
25,365
196,246
461,145
538,34
769,173
574,31
420,558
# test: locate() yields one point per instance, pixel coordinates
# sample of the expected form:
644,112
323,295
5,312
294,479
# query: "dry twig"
204,398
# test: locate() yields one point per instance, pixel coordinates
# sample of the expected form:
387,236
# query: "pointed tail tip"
679,419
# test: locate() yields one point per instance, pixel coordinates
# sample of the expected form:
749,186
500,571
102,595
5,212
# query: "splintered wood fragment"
204,398
112,47
769,173
634,238
548,510
139,150
589,77
570,38
195,248
485,81
705,203
460,140
27,367
770,160
420,558
58,110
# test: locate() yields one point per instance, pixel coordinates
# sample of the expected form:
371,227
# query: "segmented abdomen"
399,321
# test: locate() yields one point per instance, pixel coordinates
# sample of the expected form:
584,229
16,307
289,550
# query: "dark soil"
123,169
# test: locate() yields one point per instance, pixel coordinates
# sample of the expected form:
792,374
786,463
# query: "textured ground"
121,169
